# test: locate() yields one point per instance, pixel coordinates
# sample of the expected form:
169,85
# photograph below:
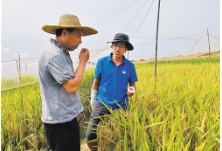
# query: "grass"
182,114
14,83
21,126
188,61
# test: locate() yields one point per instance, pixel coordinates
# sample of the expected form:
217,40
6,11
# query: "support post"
19,69
208,43
157,28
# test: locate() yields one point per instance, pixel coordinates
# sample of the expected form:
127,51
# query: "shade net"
133,17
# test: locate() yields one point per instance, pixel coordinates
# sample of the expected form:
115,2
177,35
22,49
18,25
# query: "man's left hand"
131,91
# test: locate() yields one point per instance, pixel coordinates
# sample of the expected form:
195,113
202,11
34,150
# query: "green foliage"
21,125
182,114
188,61
142,60
14,83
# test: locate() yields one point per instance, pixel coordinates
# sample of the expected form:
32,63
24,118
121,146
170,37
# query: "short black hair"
59,31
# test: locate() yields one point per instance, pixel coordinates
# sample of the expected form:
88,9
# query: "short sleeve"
133,76
61,69
97,74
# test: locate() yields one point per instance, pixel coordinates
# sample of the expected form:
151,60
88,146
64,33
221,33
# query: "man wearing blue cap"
110,86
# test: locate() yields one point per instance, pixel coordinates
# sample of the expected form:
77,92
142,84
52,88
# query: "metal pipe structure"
208,44
157,28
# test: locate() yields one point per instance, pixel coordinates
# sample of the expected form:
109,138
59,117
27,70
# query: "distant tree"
132,60
142,60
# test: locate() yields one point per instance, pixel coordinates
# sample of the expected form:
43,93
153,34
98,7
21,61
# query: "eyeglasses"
120,46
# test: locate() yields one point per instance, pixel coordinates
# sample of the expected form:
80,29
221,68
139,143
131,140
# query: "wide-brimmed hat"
120,37
69,21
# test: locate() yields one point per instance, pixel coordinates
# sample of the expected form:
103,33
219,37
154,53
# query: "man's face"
72,39
118,49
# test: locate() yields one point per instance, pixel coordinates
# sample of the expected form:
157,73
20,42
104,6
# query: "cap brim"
129,45
86,30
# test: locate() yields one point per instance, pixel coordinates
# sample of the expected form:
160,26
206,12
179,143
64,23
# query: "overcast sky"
21,23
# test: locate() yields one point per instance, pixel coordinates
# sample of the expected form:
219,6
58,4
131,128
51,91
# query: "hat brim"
86,30
128,44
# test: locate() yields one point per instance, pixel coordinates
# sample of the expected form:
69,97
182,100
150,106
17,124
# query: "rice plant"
182,114
21,126
14,83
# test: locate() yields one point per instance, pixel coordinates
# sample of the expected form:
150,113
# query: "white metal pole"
208,44
19,70
157,28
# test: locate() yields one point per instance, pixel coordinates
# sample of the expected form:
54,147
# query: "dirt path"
84,147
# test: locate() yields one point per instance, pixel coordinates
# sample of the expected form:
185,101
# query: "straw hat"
69,21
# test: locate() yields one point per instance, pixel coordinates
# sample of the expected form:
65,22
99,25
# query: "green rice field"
182,114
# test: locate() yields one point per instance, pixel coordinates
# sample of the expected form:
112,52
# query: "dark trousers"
98,110
63,136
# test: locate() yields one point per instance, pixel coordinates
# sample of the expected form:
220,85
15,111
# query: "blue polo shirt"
114,81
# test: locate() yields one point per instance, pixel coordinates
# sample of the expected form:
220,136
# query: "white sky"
21,23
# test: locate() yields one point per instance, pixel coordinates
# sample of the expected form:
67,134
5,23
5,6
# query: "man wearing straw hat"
112,76
59,84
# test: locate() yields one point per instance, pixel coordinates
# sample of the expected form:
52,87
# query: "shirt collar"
60,46
110,58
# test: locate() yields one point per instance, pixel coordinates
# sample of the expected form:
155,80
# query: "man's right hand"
84,55
72,85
